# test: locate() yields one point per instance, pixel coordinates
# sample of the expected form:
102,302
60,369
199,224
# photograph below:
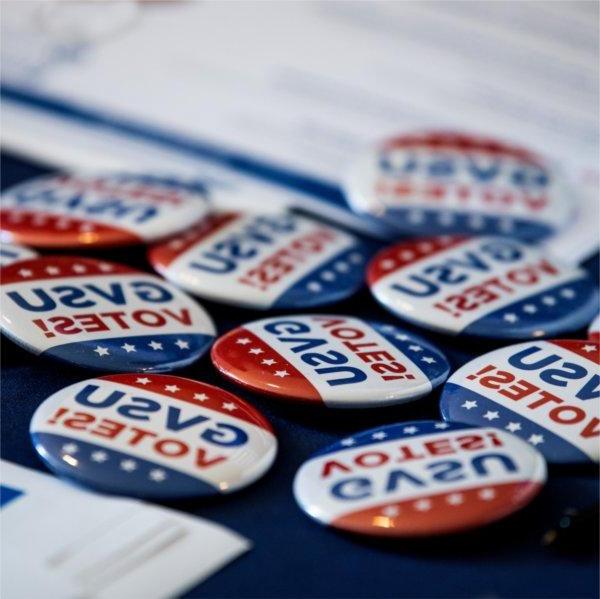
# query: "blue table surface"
295,557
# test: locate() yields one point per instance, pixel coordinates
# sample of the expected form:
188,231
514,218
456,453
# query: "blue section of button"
143,353
457,405
114,471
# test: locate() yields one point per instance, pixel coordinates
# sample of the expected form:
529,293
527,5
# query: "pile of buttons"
468,214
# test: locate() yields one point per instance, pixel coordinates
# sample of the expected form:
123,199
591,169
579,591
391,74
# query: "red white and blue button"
419,478
10,252
449,183
487,286
338,361
546,392
101,315
70,211
263,261
153,436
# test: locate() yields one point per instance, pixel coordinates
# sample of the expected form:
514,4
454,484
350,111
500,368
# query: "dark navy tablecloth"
295,557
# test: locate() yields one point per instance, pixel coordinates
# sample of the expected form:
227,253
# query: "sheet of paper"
287,94
60,541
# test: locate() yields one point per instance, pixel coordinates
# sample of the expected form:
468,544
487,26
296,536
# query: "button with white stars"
105,210
101,315
155,436
338,361
419,478
443,182
494,287
287,260
545,392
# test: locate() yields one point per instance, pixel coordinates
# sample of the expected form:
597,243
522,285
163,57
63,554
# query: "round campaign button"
419,478
494,287
546,392
99,210
340,361
279,260
9,253
155,436
101,315
448,183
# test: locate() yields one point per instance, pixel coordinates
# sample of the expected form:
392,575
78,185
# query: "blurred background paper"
277,99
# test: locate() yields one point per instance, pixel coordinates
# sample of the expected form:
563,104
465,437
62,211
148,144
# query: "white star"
513,427
536,439
406,255
128,348
269,362
86,227
341,267
327,275
588,348
347,442
388,328
229,406
390,511
281,373
446,218
79,268
428,359
567,293
105,267
441,425
52,270
243,341
62,224
423,505
70,448
529,309
487,494
356,258
387,264
128,465
200,396
155,345
182,344
410,430
425,246
548,300
476,221
142,380
176,244
489,415
256,351
157,475
99,456
454,499
379,435
510,317
102,351
416,348
415,217
314,287
469,405
25,272
172,388
402,337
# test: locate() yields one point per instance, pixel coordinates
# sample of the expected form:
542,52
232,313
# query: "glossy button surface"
340,361
263,261
71,211
154,436
419,478
101,315
448,183
546,392
495,287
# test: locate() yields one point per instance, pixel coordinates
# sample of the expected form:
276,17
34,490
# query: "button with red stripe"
419,478
154,436
546,392
101,315
490,286
71,211
440,182
10,252
338,361
262,261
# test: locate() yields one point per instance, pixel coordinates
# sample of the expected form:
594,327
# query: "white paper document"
60,541
275,100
